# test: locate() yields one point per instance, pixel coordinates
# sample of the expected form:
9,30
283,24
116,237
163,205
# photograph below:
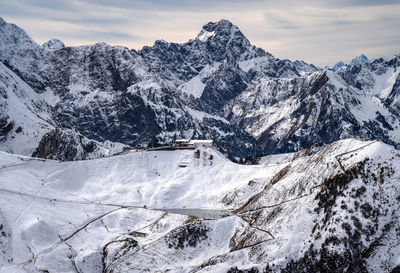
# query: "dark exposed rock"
188,235
65,144
226,83
236,270
5,127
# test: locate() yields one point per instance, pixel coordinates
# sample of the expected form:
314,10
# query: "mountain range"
89,101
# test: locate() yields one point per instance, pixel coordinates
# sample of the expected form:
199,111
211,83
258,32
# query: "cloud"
321,32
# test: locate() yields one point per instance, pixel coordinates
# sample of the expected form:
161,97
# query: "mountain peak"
222,24
222,38
362,59
220,28
53,44
339,65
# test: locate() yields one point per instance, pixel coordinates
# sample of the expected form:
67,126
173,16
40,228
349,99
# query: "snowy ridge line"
28,161
12,165
337,157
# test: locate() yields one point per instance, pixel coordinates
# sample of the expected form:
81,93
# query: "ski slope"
43,202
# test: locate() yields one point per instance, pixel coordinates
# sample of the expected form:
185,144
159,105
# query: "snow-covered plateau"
333,208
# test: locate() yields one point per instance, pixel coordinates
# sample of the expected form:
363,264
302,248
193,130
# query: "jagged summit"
53,44
220,28
339,65
359,60
223,23
362,59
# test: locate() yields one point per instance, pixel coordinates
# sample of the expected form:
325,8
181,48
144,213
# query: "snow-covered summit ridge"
204,35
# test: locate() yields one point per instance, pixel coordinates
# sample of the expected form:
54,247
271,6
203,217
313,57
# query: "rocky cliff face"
66,144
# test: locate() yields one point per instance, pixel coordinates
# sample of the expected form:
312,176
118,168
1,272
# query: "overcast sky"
319,32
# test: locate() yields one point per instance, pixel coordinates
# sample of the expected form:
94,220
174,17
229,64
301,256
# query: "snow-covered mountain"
359,60
53,44
333,208
291,114
115,94
217,86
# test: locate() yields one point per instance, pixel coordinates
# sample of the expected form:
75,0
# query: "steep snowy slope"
24,116
333,208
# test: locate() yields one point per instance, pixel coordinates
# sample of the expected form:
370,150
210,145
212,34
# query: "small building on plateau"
201,142
181,143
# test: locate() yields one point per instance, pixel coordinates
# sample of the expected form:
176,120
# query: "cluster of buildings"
182,144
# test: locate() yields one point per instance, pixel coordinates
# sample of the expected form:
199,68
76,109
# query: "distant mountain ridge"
216,86
359,60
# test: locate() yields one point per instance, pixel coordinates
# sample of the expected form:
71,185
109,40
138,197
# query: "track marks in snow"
63,240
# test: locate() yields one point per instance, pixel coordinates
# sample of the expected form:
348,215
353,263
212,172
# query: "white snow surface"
204,35
195,86
44,200
59,216
53,44
384,83
255,63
